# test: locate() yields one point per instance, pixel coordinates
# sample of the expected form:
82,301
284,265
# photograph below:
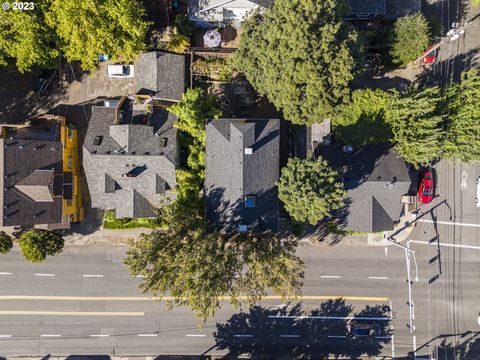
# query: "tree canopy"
310,190
410,39
463,118
302,55
199,269
415,118
6,243
362,121
78,29
37,244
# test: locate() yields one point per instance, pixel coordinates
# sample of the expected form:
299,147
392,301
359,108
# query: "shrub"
111,222
37,244
178,43
5,243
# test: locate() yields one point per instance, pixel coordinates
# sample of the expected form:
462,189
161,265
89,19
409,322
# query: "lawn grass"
110,222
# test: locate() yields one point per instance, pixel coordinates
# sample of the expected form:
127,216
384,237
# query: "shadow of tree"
287,332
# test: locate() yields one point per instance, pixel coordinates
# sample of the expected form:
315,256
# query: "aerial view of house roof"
33,179
161,75
388,9
223,11
375,179
242,166
129,157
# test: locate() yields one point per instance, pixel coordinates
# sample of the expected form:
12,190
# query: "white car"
478,192
120,71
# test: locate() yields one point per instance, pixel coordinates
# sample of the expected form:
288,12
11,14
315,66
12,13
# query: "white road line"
448,223
384,337
393,346
147,335
367,318
337,336
51,335
386,251
243,335
446,245
290,336
72,313
378,277
139,276
330,276
195,335
5,273
5,336
99,335
92,275
43,274
414,345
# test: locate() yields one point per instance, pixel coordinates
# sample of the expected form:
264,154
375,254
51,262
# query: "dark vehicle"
44,81
364,330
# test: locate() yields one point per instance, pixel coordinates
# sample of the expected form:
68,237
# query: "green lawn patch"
111,222
362,121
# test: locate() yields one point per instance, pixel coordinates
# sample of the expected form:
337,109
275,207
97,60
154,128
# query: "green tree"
302,55
89,28
37,244
25,38
463,123
411,38
199,269
183,25
362,121
6,243
415,118
310,190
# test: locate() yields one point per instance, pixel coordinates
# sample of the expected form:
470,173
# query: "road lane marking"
5,336
337,336
5,273
369,318
196,335
170,298
290,336
147,335
378,277
139,276
92,276
99,335
448,223
51,335
72,313
44,274
393,346
330,276
446,245
243,335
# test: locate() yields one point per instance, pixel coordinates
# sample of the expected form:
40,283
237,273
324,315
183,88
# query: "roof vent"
248,151
242,228
250,201
163,142
98,140
20,146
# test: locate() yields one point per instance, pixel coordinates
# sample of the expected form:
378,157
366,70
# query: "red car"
425,189
430,57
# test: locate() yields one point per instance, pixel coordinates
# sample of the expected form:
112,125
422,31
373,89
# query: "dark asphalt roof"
22,183
232,174
375,179
367,6
124,167
161,75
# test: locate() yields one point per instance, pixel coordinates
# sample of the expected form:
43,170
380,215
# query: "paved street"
84,302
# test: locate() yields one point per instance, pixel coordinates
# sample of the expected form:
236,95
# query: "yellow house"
40,174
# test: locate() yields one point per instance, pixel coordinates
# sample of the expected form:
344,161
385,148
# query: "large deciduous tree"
310,190
302,55
199,269
25,38
410,39
37,244
89,28
415,118
463,118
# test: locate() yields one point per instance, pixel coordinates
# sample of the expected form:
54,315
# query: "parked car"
478,191
430,57
125,71
425,188
44,81
364,329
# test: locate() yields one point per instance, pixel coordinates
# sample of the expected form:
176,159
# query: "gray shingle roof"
375,179
217,10
232,174
24,198
161,75
122,171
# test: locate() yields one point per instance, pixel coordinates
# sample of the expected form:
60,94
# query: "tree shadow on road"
289,332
